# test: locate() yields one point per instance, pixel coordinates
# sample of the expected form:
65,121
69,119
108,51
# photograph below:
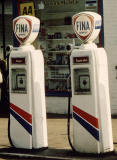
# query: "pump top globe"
86,26
26,29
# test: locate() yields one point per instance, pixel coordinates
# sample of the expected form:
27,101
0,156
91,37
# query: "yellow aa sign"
27,8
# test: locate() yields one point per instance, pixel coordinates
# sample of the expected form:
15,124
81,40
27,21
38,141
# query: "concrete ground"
59,147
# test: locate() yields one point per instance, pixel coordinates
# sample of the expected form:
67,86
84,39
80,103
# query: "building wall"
59,104
110,44
8,25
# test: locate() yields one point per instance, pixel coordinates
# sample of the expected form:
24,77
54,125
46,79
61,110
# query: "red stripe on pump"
24,114
92,120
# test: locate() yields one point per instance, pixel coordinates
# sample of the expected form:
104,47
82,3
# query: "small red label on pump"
77,60
18,60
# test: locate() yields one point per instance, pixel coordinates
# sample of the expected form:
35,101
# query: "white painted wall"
57,105
110,38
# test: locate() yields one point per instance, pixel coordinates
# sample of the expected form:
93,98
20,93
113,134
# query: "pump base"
21,150
94,154
51,153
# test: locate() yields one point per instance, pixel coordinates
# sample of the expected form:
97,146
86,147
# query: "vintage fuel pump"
27,94
92,130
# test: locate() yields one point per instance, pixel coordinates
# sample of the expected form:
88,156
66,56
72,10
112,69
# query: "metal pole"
3,29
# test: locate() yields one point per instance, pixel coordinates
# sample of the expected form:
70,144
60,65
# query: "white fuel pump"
92,130
27,94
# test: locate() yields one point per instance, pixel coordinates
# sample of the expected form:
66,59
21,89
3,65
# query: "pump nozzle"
71,46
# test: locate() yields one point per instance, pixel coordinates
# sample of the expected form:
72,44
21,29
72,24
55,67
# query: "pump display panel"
82,81
18,81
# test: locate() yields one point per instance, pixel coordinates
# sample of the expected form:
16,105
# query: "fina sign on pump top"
26,29
86,26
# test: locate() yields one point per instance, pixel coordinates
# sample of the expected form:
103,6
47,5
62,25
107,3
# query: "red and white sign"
22,29
85,25
79,60
18,61
26,28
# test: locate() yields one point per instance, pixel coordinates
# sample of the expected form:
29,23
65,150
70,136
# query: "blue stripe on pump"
93,131
26,125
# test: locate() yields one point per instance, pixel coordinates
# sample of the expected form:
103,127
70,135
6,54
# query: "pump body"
27,98
92,130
